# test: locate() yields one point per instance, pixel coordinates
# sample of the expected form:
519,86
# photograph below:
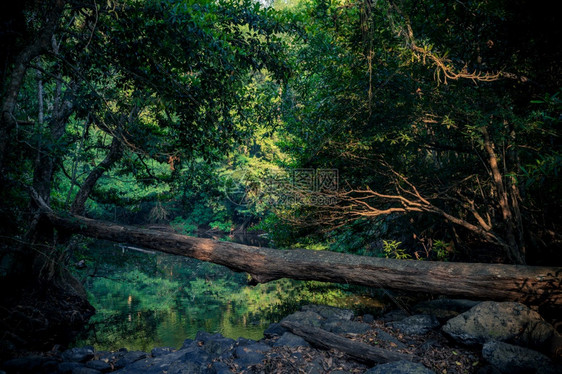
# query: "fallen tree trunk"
527,284
356,350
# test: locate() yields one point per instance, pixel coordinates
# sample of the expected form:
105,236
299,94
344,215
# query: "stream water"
144,300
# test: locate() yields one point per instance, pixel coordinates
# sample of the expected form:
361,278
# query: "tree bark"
40,45
527,284
115,153
356,350
515,248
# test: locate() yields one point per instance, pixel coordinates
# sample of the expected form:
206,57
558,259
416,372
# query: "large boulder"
512,359
502,321
309,318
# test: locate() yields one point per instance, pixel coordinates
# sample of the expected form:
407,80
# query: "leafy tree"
427,109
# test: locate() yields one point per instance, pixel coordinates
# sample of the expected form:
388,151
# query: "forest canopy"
441,119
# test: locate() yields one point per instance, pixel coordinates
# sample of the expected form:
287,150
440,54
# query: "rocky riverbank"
439,336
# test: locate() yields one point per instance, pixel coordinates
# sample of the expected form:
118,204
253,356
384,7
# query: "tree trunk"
356,350
527,284
115,153
39,46
515,248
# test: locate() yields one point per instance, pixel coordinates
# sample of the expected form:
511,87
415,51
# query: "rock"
103,355
78,354
400,367
291,340
329,312
241,342
306,318
394,315
85,370
220,368
418,324
384,336
512,359
129,357
161,351
68,367
219,346
507,321
185,361
255,347
99,365
187,343
428,345
444,309
368,318
194,361
344,326
275,329
249,359
203,336
315,367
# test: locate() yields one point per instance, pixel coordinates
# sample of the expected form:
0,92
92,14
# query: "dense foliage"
441,118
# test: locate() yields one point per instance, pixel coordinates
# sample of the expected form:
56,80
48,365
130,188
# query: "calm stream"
144,300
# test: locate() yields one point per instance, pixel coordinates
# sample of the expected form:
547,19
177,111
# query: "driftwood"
356,350
527,284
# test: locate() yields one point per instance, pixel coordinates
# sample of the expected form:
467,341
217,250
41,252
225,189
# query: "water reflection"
147,300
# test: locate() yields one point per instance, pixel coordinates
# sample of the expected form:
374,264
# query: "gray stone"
187,343
428,345
68,367
219,346
291,340
308,318
241,342
400,367
220,368
394,315
275,329
249,358
508,322
184,361
99,365
85,370
368,318
78,354
329,312
384,336
418,324
203,336
103,355
344,326
444,309
512,359
315,367
161,351
129,358
255,347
